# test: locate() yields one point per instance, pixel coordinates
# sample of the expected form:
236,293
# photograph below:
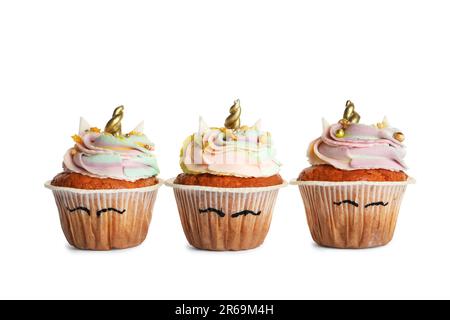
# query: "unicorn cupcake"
106,193
230,181
353,191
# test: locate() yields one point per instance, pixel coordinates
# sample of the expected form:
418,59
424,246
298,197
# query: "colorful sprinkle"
77,139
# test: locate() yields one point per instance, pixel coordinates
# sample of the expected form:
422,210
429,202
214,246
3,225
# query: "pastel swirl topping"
242,152
357,146
127,157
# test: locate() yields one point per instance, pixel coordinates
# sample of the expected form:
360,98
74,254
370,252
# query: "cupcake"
353,190
106,193
227,191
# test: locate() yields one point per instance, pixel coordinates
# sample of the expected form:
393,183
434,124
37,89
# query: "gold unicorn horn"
350,114
234,119
114,126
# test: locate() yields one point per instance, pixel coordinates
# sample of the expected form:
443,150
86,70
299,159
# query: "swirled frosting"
362,147
127,157
245,152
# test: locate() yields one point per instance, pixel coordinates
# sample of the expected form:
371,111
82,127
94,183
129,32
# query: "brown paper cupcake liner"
225,218
352,214
105,219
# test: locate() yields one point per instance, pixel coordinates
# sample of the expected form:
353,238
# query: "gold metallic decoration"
350,114
233,121
399,136
344,123
340,133
145,146
77,139
263,139
114,126
228,133
350,117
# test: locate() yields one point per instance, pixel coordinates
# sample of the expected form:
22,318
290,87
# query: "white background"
290,63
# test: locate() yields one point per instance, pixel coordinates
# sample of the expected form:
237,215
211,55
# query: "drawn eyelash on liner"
81,209
346,201
220,213
380,203
244,213
99,212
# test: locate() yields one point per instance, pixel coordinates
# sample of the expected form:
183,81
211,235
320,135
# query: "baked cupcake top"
233,150
111,154
349,145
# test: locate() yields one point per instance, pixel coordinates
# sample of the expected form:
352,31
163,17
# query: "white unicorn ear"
325,124
84,126
384,124
202,126
257,125
139,128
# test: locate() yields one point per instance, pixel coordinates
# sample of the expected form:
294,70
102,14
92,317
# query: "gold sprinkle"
145,146
344,123
399,136
95,129
134,133
263,139
340,133
228,133
381,125
77,139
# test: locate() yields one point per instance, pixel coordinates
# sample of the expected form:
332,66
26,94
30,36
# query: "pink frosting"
362,147
243,153
106,156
